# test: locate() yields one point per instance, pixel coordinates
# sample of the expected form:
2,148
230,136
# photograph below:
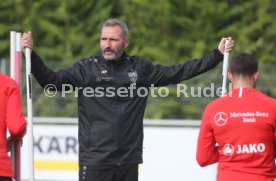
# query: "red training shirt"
239,131
11,118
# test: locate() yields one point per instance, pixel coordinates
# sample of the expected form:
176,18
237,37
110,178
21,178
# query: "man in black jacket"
112,93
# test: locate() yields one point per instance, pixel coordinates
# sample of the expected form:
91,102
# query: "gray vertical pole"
3,66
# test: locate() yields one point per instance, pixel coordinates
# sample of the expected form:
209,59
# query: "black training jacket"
110,112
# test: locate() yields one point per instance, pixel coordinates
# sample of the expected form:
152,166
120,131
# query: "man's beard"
114,56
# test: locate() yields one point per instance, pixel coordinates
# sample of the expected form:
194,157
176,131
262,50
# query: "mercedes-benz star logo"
221,118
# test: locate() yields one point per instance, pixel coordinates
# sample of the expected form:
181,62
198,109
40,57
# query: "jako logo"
228,150
251,148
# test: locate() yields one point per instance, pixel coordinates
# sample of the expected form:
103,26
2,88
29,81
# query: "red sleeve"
207,151
275,139
274,110
15,119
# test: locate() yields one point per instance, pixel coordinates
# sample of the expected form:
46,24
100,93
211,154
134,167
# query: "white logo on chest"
221,118
132,75
251,148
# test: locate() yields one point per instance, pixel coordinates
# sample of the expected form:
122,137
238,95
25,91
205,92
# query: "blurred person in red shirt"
11,118
238,130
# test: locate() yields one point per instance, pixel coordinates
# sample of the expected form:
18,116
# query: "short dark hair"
114,22
244,64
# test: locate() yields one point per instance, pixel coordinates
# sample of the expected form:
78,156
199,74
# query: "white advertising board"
169,152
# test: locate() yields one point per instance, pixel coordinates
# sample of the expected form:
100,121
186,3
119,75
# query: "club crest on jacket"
132,75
